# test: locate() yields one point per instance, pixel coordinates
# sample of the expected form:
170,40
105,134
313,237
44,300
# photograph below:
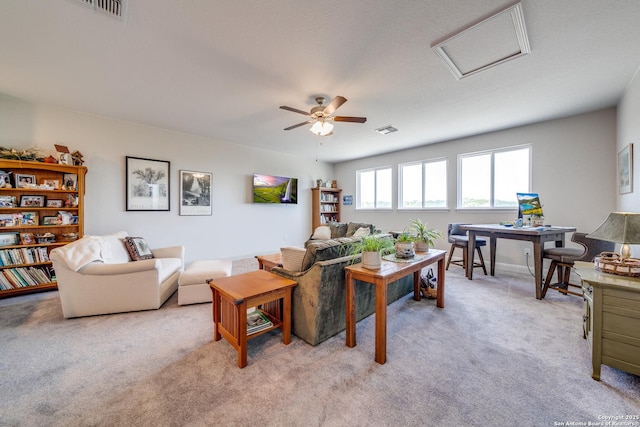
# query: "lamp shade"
619,227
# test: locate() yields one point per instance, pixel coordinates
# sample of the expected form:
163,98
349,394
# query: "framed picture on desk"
625,170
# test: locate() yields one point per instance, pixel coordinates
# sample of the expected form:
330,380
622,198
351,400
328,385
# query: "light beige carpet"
494,356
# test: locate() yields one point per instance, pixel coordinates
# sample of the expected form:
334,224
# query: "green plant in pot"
405,245
424,236
371,247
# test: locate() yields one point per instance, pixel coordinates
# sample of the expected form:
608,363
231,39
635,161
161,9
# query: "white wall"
237,228
574,170
629,133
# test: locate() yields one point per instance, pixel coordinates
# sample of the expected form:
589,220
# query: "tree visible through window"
491,179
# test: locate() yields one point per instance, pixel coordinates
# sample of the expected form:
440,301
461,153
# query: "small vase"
404,249
371,260
422,246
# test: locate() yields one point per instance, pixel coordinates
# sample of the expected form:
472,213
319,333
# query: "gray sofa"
318,305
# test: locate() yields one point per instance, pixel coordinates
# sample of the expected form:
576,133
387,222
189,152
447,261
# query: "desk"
389,272
537,235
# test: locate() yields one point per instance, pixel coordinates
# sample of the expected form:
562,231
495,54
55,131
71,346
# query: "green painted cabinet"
611,319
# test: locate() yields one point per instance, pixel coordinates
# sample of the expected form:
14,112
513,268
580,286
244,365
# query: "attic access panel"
492,41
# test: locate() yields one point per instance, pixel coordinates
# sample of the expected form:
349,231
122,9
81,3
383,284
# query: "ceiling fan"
321,115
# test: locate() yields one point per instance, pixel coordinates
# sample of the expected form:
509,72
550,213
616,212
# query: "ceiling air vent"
113,8
386,129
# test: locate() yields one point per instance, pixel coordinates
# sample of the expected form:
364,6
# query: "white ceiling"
222,68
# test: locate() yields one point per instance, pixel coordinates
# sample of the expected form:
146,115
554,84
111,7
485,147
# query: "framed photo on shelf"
53,183
70,181
7,239
27,238
5,179
625,170
32,201
147,184
195,193
28,218
55,203
8,201
25,181
50,220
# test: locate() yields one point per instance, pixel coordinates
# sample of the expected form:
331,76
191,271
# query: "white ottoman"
192,284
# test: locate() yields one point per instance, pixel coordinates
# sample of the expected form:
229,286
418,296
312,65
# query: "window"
423,185
491,179
373,188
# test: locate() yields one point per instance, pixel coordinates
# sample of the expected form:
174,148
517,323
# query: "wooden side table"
267,262
233,295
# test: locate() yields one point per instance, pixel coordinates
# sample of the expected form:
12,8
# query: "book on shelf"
257,321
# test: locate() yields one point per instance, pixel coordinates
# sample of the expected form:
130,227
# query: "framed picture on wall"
195,193
147,184
625,170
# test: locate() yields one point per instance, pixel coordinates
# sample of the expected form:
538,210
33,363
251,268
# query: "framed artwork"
5,179
195,193
625,170
27,238
70,181
55,203
25,181
147,184
50,220
32,201
53,183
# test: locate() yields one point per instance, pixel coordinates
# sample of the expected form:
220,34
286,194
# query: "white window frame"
424,164
492,152
375,192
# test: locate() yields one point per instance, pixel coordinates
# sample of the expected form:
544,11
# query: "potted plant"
425,237
404,245
371,248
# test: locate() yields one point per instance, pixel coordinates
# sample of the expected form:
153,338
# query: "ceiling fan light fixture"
321,128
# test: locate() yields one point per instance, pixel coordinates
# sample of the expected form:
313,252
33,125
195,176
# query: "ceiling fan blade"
334,105
349,119
295,110
299,124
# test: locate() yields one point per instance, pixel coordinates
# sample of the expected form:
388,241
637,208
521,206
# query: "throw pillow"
137,248
322,233
292,258
362,231
354,226
338,229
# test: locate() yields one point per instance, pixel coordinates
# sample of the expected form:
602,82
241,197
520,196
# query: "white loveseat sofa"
96,275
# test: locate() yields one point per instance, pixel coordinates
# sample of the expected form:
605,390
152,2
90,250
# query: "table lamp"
620,227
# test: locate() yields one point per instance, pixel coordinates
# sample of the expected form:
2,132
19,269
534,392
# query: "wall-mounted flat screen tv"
274,189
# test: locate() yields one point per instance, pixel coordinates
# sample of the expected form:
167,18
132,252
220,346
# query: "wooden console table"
388,272
611,319
233,295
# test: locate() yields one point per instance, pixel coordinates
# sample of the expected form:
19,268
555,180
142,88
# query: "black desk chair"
459,239
563,260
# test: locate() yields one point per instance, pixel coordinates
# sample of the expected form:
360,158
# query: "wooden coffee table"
233,295
388,272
